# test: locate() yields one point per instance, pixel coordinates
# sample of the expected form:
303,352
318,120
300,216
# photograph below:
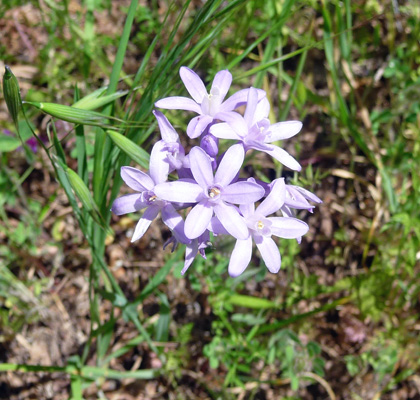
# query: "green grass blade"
296,80
135,152
276,26
90,103
82,169
122,47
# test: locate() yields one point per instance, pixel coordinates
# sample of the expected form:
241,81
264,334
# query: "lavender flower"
213,193
297,197
209,106
261,228
255,132
168,150
146,198
196,246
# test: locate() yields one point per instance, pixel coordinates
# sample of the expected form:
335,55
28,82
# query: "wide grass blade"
76,115
136,153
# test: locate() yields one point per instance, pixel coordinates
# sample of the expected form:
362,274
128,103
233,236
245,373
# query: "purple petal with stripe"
242,193
198,220
239,99
190,252
235,121
197,125
284,157
173,220
231,220
288,228
224,131
247,209
128,204
261,111
179,192
240,257
136,179
222,81
193,83
167,131
283,130
216,227
159,166
149,215
178,103
274,200
251,106
308,195
230,165
201,168
269,252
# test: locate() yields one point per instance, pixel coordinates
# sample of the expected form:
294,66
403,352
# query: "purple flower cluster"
221,202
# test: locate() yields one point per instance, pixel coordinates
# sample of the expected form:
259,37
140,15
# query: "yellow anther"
214,192
260,225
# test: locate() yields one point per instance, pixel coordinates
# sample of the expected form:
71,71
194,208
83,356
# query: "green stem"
87,372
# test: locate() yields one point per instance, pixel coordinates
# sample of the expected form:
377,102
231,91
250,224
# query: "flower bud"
210,145
11,93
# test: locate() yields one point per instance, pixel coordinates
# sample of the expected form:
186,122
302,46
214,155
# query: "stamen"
260,225
213,192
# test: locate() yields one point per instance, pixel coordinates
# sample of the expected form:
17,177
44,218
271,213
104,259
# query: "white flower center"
211,103
260,224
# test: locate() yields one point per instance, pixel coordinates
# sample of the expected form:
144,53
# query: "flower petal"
178,103
240,257
198,220
167,131
201,168
239,99
159,166
242,193
269,252
231,220
284,157
197,125
235,120
251,106
296,199
173,220
308,195
149,215
261,111
193,83
128,204
230,165
275,199
190,252
179,191
247,210
216,227
283,130
210,144
288,228
136,179
222,81
224,131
